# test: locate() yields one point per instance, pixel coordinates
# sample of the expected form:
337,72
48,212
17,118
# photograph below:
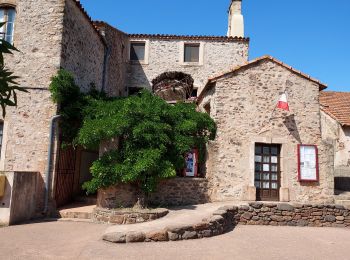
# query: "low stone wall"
226,218
294,215
171,192
127,216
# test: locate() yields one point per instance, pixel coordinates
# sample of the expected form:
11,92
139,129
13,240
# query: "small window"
137,51
192,52
1,135
194,93
7,15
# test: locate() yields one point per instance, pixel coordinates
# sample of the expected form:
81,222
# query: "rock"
330,218
115,237
216,218
157,236
276,218
206,233
244,207
201,226
339,207
135,237
256,205
340,218
118,219
178,228
173,236
189,235
247,215
285,207
229,208
220,212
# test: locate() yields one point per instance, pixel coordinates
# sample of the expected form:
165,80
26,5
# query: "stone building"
255,153
335,118
59,34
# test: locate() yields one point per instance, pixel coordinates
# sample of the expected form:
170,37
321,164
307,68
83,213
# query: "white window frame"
7,7
201,53
146,60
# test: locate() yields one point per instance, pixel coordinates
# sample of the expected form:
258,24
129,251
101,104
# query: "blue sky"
310,35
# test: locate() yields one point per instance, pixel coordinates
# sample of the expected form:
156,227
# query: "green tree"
8,84
153,138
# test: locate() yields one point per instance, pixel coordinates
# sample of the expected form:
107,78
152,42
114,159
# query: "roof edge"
84,12
190,37
252,62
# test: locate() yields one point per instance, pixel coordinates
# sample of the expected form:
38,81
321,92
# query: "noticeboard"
308,163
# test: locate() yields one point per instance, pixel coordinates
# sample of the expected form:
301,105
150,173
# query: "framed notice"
191,159
308,163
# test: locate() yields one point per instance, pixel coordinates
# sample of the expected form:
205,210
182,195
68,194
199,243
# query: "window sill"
191,64
136,62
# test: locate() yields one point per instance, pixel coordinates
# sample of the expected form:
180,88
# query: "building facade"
59,34
335,118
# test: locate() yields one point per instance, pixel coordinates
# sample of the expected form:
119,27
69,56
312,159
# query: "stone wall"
242,106
83,49
127,216
26,128
117,60
20,201
172,192
226,218
167,55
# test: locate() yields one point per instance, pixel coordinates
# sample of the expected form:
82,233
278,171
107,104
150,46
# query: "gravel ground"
70,240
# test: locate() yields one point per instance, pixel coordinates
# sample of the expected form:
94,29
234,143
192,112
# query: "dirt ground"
71,240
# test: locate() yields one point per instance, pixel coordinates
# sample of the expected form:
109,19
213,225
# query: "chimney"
235,19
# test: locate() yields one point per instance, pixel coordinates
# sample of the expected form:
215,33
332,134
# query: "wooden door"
267,172
65,171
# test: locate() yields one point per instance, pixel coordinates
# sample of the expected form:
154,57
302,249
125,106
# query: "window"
1,135
137,51
191,52
7,15
308,163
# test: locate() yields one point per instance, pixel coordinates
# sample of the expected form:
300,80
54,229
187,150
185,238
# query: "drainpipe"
49,159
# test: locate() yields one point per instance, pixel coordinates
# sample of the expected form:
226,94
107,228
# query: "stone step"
75,220
77,211
345,203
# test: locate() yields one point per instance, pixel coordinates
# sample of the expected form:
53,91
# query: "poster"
191,159
308,163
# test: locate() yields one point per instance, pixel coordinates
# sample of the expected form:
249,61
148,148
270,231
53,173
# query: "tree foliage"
8,84
71,102
153,138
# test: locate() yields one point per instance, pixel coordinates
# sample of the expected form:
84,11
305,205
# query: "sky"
310,35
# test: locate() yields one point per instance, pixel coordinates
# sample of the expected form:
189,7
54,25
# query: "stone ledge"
225,218
126,216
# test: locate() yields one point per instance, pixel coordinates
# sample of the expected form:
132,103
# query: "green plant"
71,102
153,138
8,85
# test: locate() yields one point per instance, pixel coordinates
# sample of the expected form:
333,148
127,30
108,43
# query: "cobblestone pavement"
70,240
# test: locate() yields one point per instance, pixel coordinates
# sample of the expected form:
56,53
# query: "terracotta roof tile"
336,105
255,61
189,37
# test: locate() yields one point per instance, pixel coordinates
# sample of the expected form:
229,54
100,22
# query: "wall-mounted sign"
308,163
191,159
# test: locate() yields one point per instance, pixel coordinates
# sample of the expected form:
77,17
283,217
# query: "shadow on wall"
137,78
292,127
